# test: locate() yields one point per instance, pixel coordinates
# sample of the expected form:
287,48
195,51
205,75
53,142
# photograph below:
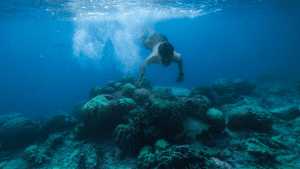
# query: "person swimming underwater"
162,53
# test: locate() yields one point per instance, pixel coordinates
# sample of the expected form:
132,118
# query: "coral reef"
123,127
223,91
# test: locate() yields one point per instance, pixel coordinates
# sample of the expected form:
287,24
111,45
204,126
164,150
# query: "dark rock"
107,90
108,96
56,123
34,156
77,109
296,125
118,86
84,157
194,129
243,87
129,79
146,83
54,141
227,98
287,113
95,91
222,86
259,152
141,96
128,90
204,91
111,84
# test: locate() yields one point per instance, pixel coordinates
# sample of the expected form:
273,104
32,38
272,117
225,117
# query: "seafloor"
239,124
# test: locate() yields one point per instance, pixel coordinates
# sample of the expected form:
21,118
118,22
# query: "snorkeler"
162,53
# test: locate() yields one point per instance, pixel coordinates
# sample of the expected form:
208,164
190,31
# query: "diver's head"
166,52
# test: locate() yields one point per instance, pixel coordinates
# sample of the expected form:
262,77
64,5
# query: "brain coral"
216,119
250,117
165,113
101,116
17,132
128,138
5,118
197,106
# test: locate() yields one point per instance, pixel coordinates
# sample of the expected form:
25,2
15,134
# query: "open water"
53,51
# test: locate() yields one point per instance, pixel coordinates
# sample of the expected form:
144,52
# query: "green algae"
129,85
164,103
126,100
161,144
214,113
96,101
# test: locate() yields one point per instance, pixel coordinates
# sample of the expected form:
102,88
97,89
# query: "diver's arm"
143,68
180,66
178,60
142,71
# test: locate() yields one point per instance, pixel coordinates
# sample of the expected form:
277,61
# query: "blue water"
53,52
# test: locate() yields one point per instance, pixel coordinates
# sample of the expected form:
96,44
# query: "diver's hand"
180,77
138,84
